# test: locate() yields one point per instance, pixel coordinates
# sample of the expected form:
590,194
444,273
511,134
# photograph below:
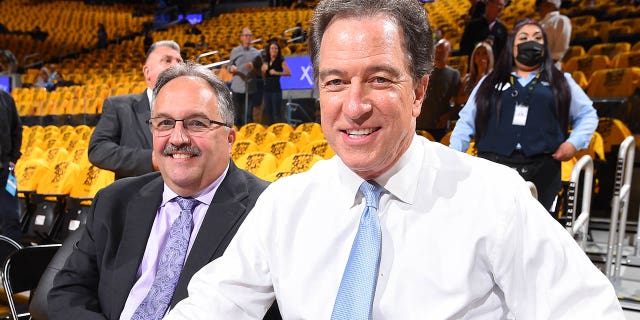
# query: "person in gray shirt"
245,66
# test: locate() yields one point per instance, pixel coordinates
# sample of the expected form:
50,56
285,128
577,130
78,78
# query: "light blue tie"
155,304
358,285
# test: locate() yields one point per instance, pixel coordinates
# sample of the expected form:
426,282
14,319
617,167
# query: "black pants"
542,170
9,220
239,106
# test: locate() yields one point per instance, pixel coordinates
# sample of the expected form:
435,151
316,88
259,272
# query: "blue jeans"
273,106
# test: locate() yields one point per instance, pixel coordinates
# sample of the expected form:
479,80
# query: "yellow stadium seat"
595,149
574,51
609,83
321,148
626,60
580,79
279,174
312,128
30,172
59,180
89,181
55,155
587,64
281,130
609,49
263,138
262,164
299,162
613,132
281,149
240,147
299,138
248,130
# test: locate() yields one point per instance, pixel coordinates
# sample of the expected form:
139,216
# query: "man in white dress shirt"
462,238
556,26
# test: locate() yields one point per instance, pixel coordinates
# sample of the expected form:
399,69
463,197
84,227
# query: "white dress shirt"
558,30
462,238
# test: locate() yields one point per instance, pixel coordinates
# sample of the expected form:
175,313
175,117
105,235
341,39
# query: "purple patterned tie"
155,304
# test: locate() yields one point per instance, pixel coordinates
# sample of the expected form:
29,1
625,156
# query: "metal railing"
619,208
579,225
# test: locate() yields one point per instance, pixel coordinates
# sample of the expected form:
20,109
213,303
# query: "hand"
233,69
273,72
249,66
565,152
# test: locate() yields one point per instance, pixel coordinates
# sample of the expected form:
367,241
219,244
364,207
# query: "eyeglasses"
163,126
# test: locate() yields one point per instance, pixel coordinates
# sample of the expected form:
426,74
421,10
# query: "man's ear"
231,137
420,94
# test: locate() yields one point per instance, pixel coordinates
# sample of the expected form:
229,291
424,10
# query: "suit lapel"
139,217
142,113
227,207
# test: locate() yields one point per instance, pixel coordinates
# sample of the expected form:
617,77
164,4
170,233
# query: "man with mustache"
146,236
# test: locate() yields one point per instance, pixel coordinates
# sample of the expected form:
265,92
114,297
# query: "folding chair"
38,306
22,271
7,247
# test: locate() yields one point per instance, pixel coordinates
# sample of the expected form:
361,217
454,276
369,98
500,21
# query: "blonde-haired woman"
481,65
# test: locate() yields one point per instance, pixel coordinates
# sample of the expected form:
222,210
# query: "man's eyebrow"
330,72
192,115
370,70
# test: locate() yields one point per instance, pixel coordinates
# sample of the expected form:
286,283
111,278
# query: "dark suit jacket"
478,30
96,279
122,140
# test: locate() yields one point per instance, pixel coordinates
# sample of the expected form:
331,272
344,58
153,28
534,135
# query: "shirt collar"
551,14
399,181
204,196
524,80
150,96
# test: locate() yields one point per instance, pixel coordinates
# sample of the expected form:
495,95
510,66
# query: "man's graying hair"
409,15
191,69
163,43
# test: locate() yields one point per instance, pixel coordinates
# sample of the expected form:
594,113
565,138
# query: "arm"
74,294
465,126
106,150
582,116
542,271
285,69
584,121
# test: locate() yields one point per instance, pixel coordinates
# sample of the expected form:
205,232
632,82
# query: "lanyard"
530,88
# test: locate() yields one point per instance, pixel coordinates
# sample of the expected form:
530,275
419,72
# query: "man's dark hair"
409,15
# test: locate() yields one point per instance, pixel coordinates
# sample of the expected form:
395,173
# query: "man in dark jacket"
10,141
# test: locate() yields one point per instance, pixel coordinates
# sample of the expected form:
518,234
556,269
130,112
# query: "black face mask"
530,53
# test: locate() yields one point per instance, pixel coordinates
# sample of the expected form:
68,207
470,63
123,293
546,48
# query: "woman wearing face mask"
521,112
